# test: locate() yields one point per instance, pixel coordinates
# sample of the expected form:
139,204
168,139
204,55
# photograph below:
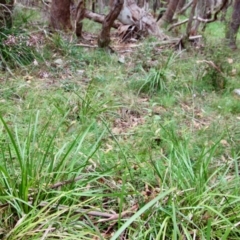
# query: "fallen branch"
213,19
195,37
82,211
45,235
177,24
185,7
204,20
99,18
212,64
86,45
186,20
104,215
117,216
60,184
107,216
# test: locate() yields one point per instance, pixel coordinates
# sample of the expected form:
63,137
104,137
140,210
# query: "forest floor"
139,143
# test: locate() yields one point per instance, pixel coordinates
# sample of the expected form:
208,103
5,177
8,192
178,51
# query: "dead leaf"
35,62
116,130
236,92
121,59
109,148
234,72
28,78
224,143
58,62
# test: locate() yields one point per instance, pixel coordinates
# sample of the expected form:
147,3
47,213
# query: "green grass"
154,140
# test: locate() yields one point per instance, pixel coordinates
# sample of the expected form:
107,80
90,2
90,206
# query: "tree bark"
156,6
201,11
191,17
168,15
60,15
140,3
100,6
104,37
231,34
80,14
184,8
181,4
6,7
224,11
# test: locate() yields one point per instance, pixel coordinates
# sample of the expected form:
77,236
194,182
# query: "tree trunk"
156,6
6,7
168,15
60,15
190,22
181,4
231,34
224,11
104,38
100,5
79,16
140,3
201,11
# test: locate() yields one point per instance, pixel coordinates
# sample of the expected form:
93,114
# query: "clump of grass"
31,163
156,81
158,77
202,200
227,104
16,49
218,68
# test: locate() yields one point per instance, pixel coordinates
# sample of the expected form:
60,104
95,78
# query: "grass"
98,149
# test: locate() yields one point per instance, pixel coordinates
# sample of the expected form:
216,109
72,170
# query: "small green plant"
218,68
158,77
215,77
22,17
156,81
16,49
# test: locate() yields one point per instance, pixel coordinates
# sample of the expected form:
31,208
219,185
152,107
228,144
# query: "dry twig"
212,64
60,184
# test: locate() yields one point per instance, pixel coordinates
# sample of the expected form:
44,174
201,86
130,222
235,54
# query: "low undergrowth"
97,148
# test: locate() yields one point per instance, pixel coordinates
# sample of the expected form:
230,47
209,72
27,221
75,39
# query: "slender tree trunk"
190,22
80,14
100,6
231,34
181,4
201,10
184,8
224,11
156,6
60,15
168,15
6,8
94,6
104,38
140,3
